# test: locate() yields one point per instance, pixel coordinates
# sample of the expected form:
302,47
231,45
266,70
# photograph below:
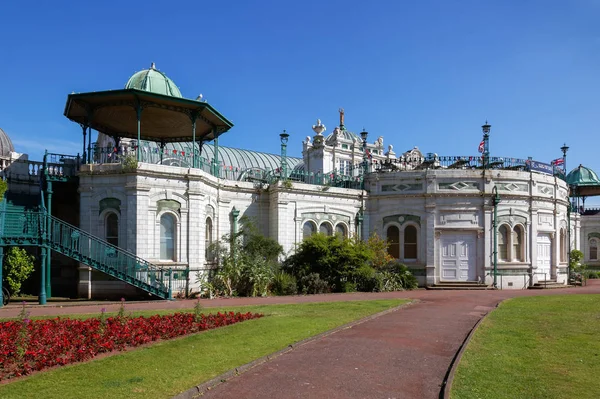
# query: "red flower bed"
27,346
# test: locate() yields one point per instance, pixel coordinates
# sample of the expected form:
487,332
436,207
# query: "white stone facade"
450,214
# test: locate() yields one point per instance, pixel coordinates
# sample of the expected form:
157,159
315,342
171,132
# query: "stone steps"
462,285
550,284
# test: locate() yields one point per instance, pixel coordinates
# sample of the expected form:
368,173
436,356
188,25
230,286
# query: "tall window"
594,249
563,245
308,229
393,240
340,229
503,243
112,229
167,237
208,240
518,244
410,242
326,229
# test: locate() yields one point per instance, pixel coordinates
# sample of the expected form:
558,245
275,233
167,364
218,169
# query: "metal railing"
110,259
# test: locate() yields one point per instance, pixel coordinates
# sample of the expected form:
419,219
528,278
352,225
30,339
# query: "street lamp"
284,140
495,201
486,144
564,150
363,136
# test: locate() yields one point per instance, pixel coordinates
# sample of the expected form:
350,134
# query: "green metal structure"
24,224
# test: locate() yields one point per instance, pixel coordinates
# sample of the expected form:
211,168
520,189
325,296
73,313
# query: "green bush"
366,279
333,258
349,265
590,274
17,267
397,277
284,284
248,263
129,163
313,284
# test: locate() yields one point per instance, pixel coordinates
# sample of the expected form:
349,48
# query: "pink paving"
402,354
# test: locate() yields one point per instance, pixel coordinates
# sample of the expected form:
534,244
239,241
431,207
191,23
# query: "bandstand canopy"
163,118
164,114
584,182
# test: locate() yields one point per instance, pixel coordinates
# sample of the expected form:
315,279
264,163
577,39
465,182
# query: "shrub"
284,284
590,274
129,163
333,258
366,279
17,267
397,277
313,284
248,262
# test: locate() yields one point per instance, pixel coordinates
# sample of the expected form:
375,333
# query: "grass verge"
170,367
535,347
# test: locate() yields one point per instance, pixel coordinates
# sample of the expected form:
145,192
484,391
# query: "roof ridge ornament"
319,128
153,66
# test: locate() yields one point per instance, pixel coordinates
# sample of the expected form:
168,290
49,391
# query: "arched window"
410,242
326,229
503,243
167,237
208,240
393,240
563,245
340,229
594,249
308,229
112,228
517,242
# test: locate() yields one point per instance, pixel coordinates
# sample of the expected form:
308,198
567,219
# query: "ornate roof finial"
341,111
153,66
319,128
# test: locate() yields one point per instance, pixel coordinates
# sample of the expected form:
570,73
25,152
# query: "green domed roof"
582,176
154,81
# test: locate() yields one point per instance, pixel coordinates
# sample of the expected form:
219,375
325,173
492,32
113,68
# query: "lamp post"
363,136
495,201
569,241
564,150
284,139
486,144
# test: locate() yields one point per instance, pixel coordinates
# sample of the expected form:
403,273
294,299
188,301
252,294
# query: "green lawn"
536,347
167,368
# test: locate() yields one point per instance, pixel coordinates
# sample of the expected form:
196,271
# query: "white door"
544,244
458,257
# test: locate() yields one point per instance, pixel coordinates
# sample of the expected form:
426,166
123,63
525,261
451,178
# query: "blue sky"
420,73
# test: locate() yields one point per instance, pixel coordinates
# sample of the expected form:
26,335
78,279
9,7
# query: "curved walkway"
401,354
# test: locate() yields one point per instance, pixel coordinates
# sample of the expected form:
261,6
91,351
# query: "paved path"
403,354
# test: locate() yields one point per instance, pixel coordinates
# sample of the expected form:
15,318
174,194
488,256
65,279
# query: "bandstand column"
49,257
84,131
216,157
89,149
194,116
138,114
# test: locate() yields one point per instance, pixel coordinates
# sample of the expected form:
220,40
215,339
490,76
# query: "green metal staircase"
27,226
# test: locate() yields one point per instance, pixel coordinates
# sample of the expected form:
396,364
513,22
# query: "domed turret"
6,145
582,176
154,81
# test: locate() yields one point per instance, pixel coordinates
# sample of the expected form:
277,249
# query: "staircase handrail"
104,242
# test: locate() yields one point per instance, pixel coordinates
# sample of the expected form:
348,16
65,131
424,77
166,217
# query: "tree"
17,267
